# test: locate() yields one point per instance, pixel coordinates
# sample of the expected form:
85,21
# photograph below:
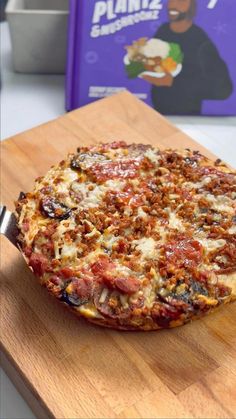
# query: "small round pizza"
133,237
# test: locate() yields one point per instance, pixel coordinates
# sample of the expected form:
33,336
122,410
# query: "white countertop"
30,100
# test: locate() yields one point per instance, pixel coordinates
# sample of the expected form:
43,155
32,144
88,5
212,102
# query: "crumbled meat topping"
133,231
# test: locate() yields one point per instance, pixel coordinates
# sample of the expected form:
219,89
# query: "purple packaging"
176,55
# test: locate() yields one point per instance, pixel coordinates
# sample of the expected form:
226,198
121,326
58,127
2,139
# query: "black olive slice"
73,299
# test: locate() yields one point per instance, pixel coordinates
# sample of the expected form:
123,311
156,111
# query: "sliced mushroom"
52,208
83,161
73,299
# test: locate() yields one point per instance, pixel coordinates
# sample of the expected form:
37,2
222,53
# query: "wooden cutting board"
67,368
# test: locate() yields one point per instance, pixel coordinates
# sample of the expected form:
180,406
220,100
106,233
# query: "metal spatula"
8,225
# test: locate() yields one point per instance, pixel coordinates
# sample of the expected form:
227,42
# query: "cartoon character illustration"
203,74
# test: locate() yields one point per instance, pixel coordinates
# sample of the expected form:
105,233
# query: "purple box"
176,55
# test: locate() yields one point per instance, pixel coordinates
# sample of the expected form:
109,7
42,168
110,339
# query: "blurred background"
29,97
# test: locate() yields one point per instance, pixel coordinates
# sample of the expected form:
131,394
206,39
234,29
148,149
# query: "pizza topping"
108,303
210,244
103,295
101,266
67,272
183,252
220,203
152,155
191,161
39,263
175,222
78,291
85,160
57,281
225,258
127,285
118,199
147,247
27,251
122,246
52,208
55,285
106,272
163,314
123,169
232,230
82,287
25,225
72,299
132,234
113,145
76,193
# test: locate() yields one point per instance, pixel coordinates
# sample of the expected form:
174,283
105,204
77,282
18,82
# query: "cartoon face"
179,9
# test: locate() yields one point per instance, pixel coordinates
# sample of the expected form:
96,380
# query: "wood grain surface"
68,368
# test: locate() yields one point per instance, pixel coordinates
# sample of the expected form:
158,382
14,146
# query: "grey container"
38,30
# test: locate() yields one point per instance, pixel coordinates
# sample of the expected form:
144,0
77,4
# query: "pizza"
133,237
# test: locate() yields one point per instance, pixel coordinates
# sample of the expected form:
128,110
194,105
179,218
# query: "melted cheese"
68,177
208,300
114,184
147,247
124,300
175,222
141,213
92,256
124,270
81,188
220,203
198,185
232,230
128,211
62,248
230,281
211,245
28,211
92,198
163,231
64,226
69,251
108,240
103,295
152,155
149,295
89,311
